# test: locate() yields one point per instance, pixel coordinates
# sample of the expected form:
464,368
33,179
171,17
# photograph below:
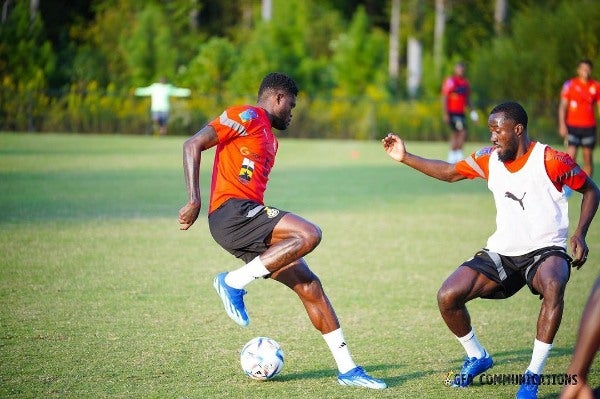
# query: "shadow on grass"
372,370
524,355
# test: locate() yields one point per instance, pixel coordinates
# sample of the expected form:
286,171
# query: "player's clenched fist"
188,215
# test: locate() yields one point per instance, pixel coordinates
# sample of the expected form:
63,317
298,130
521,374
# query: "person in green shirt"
160,107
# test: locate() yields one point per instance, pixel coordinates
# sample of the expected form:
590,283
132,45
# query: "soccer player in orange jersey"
271,241
576,119
529,246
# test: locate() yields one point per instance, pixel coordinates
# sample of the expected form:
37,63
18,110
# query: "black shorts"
242,227
457,122
512,272
582,136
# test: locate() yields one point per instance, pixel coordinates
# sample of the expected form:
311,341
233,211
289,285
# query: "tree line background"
364,67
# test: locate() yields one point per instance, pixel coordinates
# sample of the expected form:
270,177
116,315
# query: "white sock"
541,350
458,155
339,350
472,345
241,277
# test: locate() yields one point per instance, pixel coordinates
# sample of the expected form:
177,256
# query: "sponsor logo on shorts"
271,212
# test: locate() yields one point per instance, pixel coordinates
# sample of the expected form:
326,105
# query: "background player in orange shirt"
529,246
576,119
271,241
456,97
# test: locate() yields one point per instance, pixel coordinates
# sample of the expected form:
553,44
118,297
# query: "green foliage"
469,25
90,65
539,55
24,51
26,60
211,68
359,59
149,51
106,33
288,43
336,51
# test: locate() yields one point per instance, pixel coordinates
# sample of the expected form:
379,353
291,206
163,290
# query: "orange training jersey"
456,90
581,97
244,156
560,167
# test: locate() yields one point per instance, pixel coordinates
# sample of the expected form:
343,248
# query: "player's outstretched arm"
441,170
192,155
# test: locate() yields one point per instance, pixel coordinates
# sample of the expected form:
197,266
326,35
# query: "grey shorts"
242,227
512,272
160,117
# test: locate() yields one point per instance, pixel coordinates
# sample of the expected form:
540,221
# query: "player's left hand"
474,116
579,251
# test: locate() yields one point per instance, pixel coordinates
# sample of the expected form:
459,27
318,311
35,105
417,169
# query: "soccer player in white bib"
530,244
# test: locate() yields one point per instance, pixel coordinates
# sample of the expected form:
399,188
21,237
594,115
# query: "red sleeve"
476,164
562,169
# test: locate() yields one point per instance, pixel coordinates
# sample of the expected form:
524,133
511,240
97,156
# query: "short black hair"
586,61
513,111
278,81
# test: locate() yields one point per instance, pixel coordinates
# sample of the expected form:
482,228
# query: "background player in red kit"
529,246
576,119
456,92
271,242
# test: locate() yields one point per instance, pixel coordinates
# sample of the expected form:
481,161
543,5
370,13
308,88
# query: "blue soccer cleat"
470,369
529,387
233,300
359,378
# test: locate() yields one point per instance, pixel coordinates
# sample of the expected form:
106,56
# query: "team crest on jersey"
271,212
248,115
246,170
484,151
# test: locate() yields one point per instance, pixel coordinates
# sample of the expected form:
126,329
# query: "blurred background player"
576,119
456,92
160,106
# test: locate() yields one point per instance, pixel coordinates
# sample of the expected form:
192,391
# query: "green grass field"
103,297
